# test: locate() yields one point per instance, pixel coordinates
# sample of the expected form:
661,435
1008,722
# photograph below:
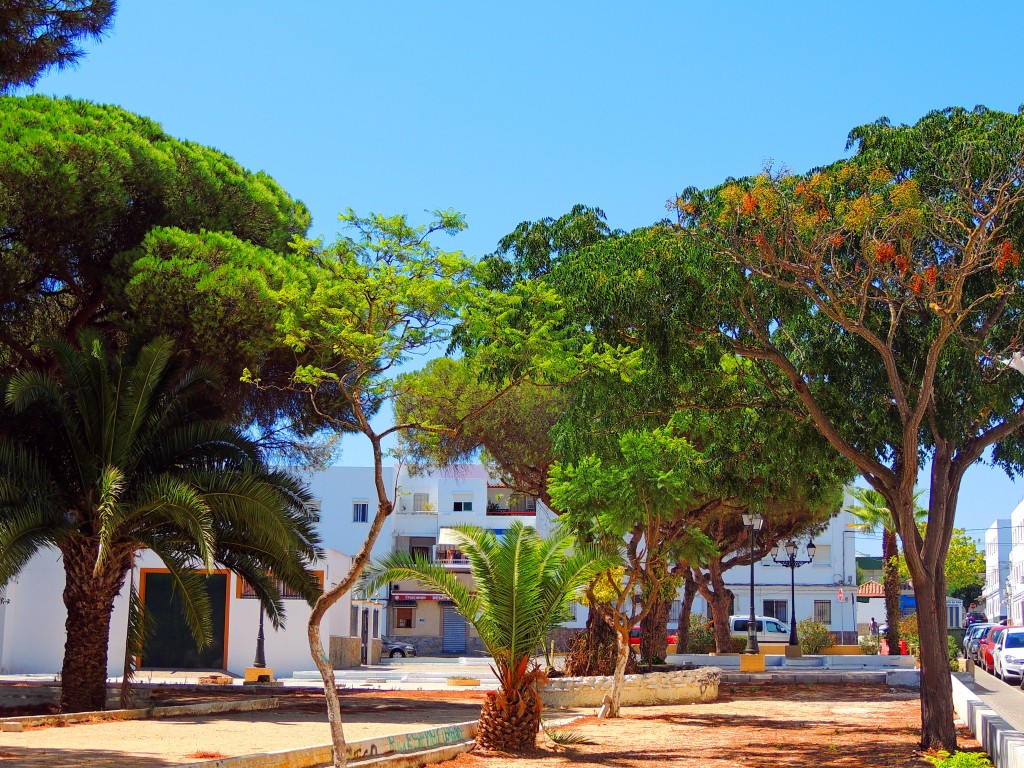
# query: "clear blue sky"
516,111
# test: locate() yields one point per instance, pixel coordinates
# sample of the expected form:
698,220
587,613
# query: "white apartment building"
1012,576
1000,539
427,506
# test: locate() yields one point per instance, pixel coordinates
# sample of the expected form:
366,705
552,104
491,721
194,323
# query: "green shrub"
959,760
954,654
814,636
868,645
908,631
739,644
702,636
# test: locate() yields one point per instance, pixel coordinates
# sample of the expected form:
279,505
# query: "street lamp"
753,523
792,563
260,662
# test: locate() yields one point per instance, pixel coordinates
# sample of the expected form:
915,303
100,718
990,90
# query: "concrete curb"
402,750
1004,744
246,705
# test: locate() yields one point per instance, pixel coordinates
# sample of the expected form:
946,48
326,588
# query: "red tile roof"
870,589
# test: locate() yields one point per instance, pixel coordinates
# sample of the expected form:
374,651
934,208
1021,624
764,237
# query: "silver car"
971,636
1008,655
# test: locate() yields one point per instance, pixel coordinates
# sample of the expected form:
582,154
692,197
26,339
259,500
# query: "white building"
426,508
1000,539
1013,578
32,616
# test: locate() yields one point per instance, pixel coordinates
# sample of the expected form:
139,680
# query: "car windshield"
1014,640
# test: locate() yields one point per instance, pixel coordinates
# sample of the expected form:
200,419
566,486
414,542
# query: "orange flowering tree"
881,296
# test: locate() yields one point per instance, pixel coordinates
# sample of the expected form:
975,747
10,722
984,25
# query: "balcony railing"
450,558
513,509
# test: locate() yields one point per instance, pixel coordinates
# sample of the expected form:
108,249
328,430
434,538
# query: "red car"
634,636
988,640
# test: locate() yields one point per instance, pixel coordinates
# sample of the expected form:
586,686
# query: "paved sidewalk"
1007,700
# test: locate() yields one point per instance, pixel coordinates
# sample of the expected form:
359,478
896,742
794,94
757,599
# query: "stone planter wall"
680,687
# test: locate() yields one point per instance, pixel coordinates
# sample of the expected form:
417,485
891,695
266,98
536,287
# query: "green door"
171,645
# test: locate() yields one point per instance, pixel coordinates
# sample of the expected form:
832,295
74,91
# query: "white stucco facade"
999,539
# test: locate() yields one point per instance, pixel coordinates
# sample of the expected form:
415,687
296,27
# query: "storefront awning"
418,596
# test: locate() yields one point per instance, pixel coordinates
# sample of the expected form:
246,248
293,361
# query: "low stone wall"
680,687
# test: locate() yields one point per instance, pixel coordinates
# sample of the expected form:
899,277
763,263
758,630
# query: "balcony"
450,557
514,506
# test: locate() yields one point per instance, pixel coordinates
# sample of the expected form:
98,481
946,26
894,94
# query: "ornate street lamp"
792,563
753,522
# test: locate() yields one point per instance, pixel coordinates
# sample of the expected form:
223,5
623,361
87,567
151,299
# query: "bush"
953,649
702,636
959,760
868,645
814,636
909,632
739,644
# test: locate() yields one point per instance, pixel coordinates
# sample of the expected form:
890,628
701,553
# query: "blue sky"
509,112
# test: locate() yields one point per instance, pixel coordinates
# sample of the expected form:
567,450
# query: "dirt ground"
849,726
301,721
783,726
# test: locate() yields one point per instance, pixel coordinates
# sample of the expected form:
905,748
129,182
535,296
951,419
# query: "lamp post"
260,662
753,522
792,563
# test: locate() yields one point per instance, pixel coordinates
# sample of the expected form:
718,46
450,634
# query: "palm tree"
874,515
104,457
524,585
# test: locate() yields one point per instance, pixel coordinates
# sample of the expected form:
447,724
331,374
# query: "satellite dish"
837,579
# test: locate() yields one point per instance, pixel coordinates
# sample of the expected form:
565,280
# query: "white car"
769,630
1008,655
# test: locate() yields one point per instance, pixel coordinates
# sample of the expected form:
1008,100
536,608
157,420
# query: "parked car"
986,645
1008,654
395,648
971,638
768,630
974,617
634,636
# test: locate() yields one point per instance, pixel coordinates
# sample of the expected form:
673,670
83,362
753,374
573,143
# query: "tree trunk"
510,720
937,727
891,589
89,599
685,611
594,650
654,631
619,678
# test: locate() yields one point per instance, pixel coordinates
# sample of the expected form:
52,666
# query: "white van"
769,630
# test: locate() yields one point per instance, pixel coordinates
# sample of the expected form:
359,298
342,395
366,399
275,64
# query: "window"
376,624
360,511
421,502
822,555
404,617
354,622
823,611
777,609
246,592
774,626
463,506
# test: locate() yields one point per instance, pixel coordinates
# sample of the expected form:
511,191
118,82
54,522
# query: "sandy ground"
777,726
782,726
300,722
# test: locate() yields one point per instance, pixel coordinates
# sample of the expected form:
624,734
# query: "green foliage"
909,630
145,234
738,644
959,760
814,636
108,456
953,649
38,34
869,645
701,637
565,737
523,586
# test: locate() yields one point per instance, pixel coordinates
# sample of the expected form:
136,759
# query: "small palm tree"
874,515
105,457
524,585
